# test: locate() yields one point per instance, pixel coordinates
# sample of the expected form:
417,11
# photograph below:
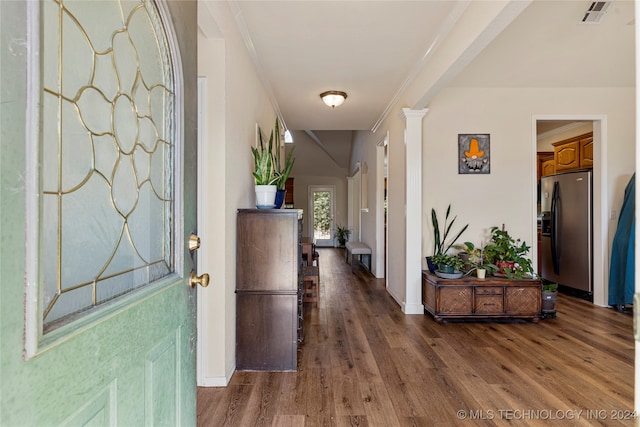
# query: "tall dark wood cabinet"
268,289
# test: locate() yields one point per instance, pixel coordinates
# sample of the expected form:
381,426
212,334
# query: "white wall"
235,102
364,149
506,195
363,154
301,185
479,23
315,166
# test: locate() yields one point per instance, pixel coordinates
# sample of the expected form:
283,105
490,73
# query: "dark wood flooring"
365,363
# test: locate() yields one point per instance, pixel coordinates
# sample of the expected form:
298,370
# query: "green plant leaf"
440,243
436,232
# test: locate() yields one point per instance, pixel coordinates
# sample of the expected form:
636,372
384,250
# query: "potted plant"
263,173
483,268
440,243
448,264
549,298
509,254
479,262
470,254
474,259
282,171
342,235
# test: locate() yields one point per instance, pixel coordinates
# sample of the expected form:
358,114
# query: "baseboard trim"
217,381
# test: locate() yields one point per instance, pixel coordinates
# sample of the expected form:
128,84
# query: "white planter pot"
266,196
481,273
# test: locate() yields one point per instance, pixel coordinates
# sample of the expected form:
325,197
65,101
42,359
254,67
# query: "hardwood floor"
365,363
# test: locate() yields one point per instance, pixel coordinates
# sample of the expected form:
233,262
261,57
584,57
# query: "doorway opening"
381,262
322,218
554,129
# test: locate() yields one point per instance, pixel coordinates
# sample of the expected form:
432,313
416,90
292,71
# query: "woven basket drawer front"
522,300
489,304
489,290
456,300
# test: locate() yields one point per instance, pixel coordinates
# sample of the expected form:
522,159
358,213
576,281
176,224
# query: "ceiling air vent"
595,12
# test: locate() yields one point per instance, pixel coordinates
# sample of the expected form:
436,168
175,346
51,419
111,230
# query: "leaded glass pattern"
107,150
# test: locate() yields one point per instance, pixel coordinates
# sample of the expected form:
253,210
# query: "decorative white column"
413,220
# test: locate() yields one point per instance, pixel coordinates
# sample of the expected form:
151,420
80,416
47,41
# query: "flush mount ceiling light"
333,98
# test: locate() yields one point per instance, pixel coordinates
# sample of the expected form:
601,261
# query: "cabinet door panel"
586,152
489,304
567,156
268,252
266,332
522,300
456,300
548,167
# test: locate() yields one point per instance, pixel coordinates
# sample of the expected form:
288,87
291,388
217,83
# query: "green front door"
97,206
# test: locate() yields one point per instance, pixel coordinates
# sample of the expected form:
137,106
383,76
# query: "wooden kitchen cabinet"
567,155
545,163
586,152
472,298
574,153
548,167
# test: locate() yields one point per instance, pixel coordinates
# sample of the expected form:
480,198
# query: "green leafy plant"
342,234
549,287
440,243
447,260
476,257
470,253
505,248
263,170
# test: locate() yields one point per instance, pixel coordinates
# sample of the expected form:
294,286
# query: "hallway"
365,363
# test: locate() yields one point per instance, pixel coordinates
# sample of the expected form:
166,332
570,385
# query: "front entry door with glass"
98,315
322,208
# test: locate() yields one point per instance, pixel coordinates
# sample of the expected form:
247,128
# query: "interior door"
322,218
97,206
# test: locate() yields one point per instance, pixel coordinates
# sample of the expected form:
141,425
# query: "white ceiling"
370,49
546,46
364,48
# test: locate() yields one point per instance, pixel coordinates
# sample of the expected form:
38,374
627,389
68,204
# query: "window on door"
321,201
108,153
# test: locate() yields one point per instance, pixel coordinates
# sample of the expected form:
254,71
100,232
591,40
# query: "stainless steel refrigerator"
567,229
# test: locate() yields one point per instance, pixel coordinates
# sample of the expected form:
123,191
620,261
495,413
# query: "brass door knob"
202,280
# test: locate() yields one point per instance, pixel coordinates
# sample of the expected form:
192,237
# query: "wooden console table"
472,298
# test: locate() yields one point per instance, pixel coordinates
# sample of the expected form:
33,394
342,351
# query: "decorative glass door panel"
92,176
108,155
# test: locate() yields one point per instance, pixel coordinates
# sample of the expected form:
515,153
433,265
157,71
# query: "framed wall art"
473,153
